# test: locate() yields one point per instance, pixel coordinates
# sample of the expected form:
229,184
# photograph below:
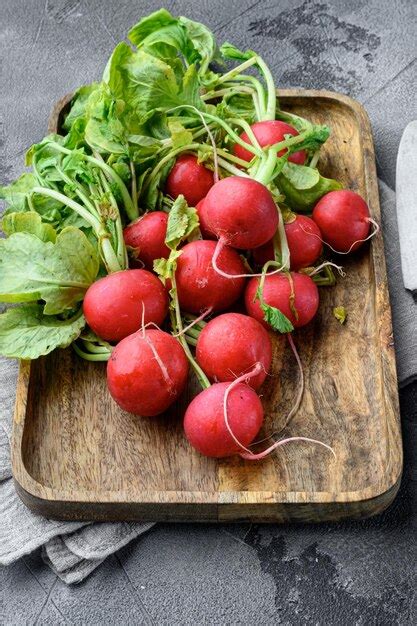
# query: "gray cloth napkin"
74,550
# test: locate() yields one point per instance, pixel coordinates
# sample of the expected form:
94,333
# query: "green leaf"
301,176
340,314
180,136
165,268
28,223
147,84
15,194
78,105
239,105
303,200
202,40
182,221
229,51
277,320
26,333
59,274
165,36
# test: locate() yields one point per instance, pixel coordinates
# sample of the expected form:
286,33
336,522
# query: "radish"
240,212
114,305
206,234
230,345
267,133
224,419
343,219
189,178
263,254
146,236
147,372
277,292
199,286
304,241
204,421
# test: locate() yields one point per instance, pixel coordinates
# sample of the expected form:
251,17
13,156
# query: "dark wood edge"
206,512
381,495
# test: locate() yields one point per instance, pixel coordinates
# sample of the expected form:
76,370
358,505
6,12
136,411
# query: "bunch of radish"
148,368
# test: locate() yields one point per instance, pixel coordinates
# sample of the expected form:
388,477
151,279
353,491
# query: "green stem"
266,170
236,70
75,206
223,124
177,324
103,349
120,243
315,158
271,103
89,356
109,257
231,168
134,187
99,162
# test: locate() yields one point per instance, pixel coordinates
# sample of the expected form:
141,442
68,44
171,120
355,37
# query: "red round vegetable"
264,253
343,219
204,420
268,133
146,236
189,178
113,305
199,286
206,234
304,241
230,345
241,212
147,372
277,293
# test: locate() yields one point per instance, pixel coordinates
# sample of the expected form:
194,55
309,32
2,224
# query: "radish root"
221,243
246,453
318,269
194,322
376,230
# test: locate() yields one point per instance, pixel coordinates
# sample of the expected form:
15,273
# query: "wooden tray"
77,456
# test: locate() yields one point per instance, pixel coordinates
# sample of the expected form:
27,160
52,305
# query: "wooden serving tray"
77,456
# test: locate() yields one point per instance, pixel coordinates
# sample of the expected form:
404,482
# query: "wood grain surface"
76,455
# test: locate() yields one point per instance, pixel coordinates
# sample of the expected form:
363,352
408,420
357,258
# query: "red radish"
241,212
277,293
189,178
206,234
114,305
147,371
199,286
146,236
230,345
268,133
343,219
304,241
204,421
264,253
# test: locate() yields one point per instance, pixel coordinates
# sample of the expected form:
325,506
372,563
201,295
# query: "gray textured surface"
363,573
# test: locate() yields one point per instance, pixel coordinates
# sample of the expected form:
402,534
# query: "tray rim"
43,499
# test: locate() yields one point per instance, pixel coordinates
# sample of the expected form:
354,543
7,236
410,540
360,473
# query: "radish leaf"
276,319
26,333
29,222
58,273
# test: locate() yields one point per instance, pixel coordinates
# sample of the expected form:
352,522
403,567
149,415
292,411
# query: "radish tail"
376,230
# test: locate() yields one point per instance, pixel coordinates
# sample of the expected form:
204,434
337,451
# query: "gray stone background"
352,573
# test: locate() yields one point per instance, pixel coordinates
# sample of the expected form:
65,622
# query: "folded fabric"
72,549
